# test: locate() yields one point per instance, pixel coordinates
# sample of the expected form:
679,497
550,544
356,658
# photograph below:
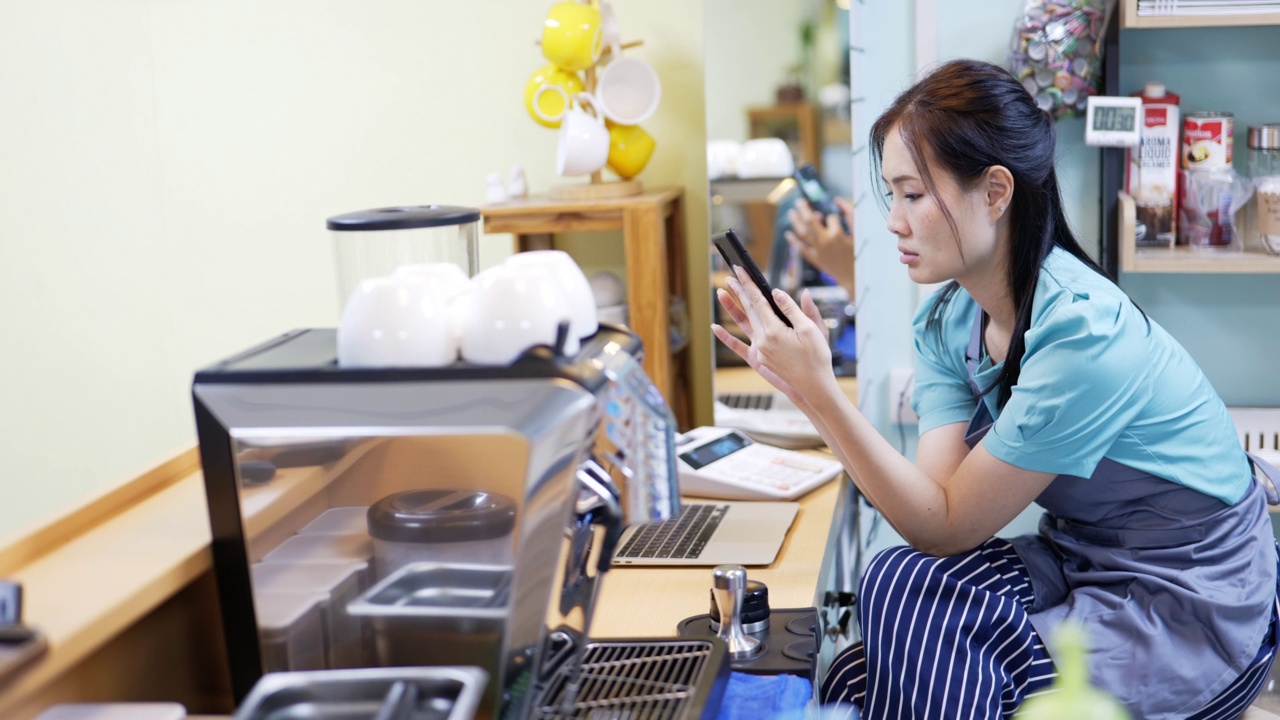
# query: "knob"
729,583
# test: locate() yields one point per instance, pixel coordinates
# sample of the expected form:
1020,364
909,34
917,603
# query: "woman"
1037,380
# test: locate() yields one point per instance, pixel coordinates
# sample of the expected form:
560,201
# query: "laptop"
768,417
710,533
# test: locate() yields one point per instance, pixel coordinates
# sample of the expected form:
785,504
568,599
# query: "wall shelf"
1130,20
1118,249
1183,259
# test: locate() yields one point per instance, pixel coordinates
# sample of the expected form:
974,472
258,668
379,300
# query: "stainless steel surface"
729,582
636,447
581,445
430,693
660,679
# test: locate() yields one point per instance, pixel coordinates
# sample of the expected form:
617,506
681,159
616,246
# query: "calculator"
716,462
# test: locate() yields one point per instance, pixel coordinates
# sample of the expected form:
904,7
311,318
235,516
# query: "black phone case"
735,253
825,206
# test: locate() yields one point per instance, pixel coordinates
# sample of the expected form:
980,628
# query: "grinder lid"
441,516
403,217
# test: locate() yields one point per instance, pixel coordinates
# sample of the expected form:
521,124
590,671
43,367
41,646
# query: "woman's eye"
911,196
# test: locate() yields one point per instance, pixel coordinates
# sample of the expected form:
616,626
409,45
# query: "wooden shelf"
652,228
1183,259
1130,20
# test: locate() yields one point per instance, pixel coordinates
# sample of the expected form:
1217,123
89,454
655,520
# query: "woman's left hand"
797,359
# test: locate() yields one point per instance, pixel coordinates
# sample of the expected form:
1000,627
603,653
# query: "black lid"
755,603
405,217
441,516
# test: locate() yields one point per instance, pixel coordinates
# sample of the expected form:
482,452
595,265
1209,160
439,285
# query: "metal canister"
1207,140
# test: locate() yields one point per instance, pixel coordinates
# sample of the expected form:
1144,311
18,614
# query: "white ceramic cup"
609,31
627,89
765,158
722,158
396,322
442,280
508,310
583,322
583,146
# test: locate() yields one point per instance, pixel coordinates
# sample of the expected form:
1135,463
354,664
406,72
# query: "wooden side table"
652,225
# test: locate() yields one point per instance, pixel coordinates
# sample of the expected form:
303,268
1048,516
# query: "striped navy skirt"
951,638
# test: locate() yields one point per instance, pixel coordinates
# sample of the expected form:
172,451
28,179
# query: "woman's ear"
999,188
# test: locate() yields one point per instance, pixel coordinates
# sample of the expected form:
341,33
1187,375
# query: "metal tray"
443,693
659,678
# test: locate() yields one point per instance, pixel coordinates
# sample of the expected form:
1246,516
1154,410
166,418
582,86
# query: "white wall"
750,45
168,165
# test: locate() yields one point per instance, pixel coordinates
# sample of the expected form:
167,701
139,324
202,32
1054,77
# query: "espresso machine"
415,517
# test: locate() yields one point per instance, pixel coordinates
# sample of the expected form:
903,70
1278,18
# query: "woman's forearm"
913,503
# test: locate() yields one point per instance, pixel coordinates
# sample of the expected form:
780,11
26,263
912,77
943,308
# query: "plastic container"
115,711
339,521
324,549
442,526
339,583
440,693
291,630
373,243
1264,169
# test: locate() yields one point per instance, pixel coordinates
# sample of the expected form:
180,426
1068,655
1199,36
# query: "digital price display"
1113,121
712,451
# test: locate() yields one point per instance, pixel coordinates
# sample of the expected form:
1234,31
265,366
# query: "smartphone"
816,193
734,253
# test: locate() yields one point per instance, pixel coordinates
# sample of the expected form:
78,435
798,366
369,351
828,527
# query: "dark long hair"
962,119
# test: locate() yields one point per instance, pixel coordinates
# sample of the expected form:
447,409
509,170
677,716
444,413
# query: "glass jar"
1264,169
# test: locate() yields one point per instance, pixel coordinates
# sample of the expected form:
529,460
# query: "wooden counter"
650,601
123,590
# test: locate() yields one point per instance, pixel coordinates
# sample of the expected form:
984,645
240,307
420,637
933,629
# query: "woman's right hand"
796,360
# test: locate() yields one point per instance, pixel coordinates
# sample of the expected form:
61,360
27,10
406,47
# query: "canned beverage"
1207,139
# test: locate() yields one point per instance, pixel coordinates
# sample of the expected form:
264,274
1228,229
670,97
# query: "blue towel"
761,697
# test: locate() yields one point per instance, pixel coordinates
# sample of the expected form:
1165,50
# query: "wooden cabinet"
1120,252
652,228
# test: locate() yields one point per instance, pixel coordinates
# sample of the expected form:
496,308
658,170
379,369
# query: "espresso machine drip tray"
668,679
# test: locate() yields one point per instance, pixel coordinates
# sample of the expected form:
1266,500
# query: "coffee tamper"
729,583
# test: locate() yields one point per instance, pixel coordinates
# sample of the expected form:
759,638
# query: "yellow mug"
630,148
572,36
546,108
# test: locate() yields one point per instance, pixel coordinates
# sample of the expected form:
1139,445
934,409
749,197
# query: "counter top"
137,547
651,601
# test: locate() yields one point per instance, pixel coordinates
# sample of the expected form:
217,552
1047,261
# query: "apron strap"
974,354
1268,476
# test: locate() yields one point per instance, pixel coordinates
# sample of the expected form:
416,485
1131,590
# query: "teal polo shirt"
1098,381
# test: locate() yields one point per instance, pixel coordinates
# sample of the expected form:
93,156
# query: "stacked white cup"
430,315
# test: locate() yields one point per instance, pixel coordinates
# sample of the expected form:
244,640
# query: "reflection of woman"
821,241
1037,380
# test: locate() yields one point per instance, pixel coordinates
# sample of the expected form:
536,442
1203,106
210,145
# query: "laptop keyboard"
683,536
747,401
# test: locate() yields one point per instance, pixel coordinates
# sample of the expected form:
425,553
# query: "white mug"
583,322
627,89
509,310
396,321
584,140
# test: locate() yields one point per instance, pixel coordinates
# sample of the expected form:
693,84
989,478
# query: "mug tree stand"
598,188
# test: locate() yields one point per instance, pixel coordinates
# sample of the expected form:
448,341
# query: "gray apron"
1175,589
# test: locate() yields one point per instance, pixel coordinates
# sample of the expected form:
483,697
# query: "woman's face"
928,246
